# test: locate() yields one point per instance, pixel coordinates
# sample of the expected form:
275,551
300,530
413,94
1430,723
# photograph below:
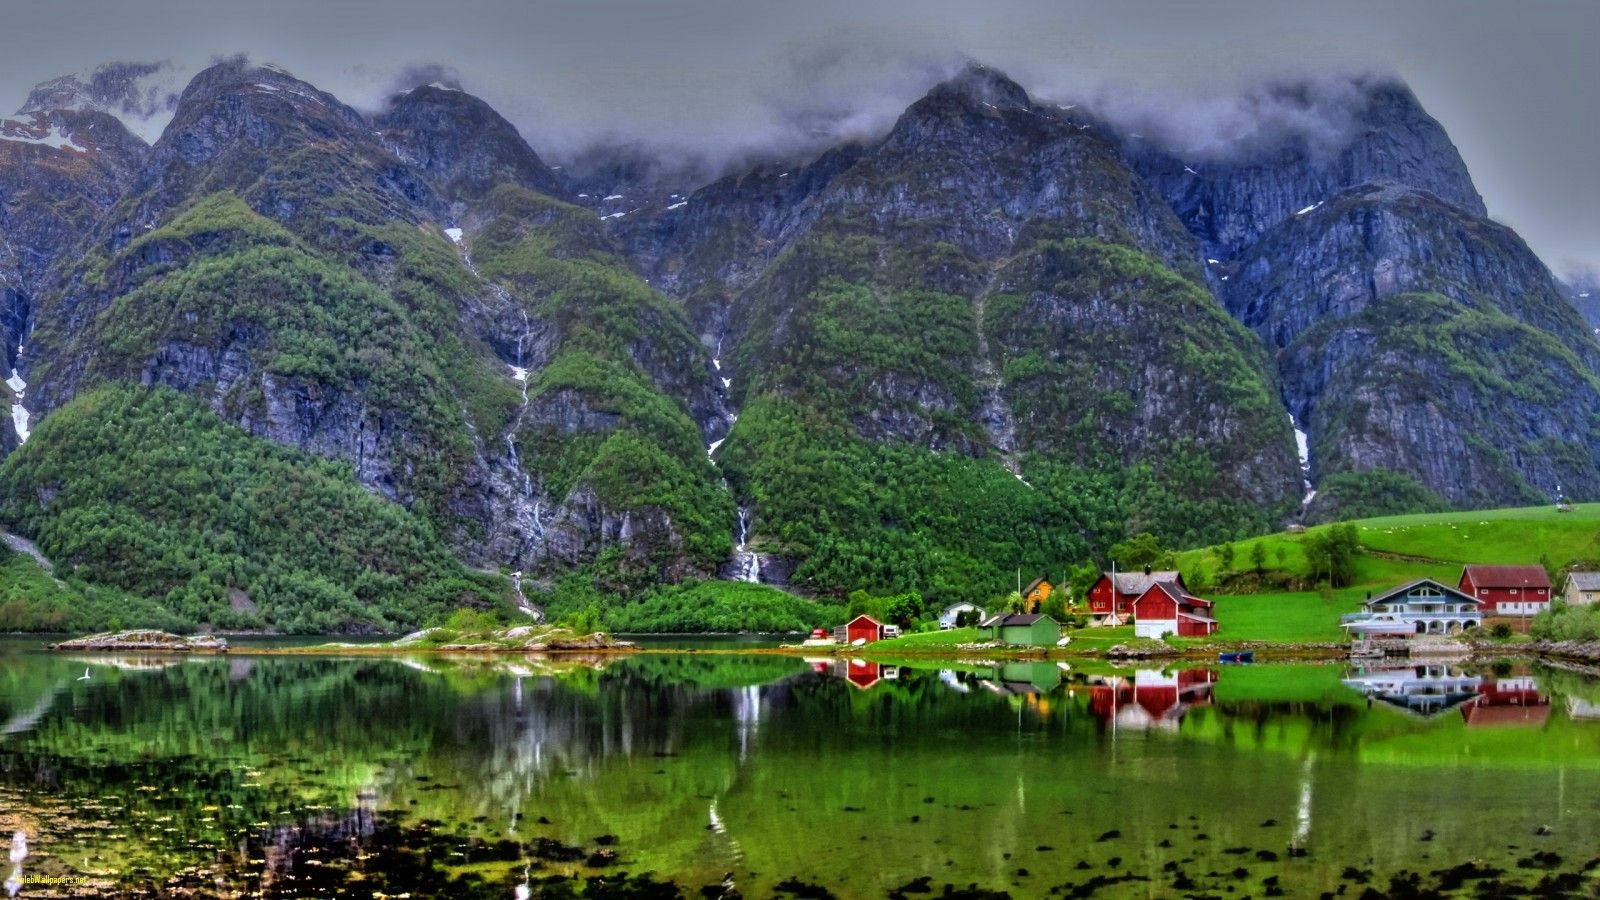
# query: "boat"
1236,656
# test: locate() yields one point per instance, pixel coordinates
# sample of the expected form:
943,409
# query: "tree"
1331,554
1225,554
1014,602
1141,551
1258,557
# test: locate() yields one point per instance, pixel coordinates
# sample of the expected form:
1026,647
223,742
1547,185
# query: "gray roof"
1585,581
1139,582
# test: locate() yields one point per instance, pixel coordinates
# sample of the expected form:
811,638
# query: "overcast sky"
1516,84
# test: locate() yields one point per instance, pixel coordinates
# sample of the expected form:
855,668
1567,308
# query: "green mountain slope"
150,492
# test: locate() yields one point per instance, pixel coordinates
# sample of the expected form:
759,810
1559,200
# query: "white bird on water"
85,675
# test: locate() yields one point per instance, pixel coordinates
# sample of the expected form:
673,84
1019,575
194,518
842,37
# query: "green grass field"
1396,549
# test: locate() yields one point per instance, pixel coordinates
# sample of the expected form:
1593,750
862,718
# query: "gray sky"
1517,84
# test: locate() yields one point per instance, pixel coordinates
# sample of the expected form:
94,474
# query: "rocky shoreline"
143,641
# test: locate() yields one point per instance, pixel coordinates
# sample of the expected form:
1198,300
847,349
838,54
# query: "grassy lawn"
1429,545
930,640
1100,638
1284,617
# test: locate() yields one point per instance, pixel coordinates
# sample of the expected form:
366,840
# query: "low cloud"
1320,114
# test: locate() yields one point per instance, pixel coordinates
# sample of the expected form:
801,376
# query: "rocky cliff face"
462,144
1229,201
60,171
1313,244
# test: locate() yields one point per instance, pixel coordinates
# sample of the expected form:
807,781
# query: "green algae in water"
765,775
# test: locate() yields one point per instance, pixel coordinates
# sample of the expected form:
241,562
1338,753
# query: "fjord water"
319,776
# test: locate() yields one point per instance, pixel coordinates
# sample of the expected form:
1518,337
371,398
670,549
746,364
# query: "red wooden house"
1515,591
1167,608
863,628
1111,598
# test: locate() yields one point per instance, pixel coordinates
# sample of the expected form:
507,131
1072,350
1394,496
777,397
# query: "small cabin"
863,628
1583,588
1021,630
1037,592
952,614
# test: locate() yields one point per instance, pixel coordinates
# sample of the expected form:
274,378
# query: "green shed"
1021,630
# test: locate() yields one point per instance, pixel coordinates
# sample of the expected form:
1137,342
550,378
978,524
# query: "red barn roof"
1508,576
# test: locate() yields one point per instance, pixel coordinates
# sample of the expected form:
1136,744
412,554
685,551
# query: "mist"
702,85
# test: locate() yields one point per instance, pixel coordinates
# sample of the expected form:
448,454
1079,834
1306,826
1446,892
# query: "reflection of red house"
1167,608
1151,699
862,674
863,627
1507,701
1111,598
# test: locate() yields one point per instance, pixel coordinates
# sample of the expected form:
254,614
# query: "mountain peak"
978,83
141,94
462,141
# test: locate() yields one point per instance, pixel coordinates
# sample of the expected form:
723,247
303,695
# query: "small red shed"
863,627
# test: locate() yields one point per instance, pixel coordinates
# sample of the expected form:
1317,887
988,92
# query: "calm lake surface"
762,776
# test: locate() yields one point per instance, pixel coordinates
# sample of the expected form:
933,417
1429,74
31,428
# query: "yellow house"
1038,592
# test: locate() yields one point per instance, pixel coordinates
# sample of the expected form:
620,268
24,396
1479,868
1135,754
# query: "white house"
1421,607
947,619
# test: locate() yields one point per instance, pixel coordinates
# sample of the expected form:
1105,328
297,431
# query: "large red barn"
1519,591
1167,608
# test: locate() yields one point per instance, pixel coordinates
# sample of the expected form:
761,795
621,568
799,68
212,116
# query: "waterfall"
746,565
527,507
1303,448
19,388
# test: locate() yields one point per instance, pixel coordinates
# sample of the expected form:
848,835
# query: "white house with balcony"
1419,608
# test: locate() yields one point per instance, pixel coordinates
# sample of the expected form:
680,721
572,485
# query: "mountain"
359,326
60,171
1000,336
1583,292
140,94
985,302
1423,347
